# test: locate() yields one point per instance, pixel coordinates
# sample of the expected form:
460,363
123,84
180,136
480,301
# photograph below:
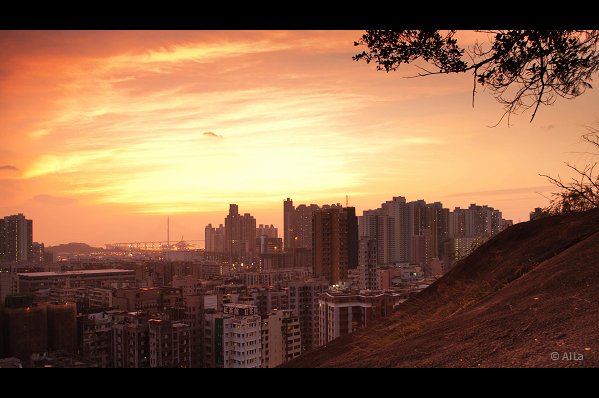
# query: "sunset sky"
105,133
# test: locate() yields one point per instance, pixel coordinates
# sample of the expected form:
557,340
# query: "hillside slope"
530,291
73,248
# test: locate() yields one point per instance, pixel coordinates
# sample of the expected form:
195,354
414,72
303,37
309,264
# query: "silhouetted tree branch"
522,68
582,192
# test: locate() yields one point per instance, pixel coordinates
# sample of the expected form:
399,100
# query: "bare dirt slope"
531,291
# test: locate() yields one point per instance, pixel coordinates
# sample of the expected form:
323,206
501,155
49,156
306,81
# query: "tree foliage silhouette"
522,68
581,192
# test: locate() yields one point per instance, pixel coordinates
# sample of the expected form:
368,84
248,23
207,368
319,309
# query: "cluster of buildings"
250,299
177,314
334,243
424,235
102,318
240,238
16,240
322,239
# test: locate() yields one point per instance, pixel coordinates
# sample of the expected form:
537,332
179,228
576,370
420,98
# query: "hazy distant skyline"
104,133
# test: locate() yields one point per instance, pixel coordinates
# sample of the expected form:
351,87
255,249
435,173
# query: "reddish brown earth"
531,291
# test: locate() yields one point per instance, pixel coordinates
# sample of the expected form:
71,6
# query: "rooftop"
359,293
241,306
73,273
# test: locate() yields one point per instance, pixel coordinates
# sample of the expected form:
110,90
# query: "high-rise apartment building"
212,339
298,233
398,225
131,341
269,231
16,238
268,245
380,227
35,328
352,237
193,318
242,336
427,216
397,209
62,327
368,261
214,238
94,337
457,223
281,338
469,228
462,247
536,214
303,301
302,222
418,232
269,299
240,235
475,221
437,222
298,225
25,327
288,230
170,344
422,248
38,254
334,242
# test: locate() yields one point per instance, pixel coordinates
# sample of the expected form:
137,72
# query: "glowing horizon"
105,132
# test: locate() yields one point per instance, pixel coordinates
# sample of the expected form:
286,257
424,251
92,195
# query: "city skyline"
304,228
106,133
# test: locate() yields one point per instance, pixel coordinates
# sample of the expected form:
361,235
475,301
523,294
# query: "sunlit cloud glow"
155,123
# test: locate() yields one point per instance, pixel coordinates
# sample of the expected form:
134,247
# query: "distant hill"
531,291
73,248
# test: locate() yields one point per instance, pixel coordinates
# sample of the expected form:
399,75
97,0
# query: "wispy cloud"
122,147
420,141
128,125
8,167
39,133
508,191
122,121
69,162
54,200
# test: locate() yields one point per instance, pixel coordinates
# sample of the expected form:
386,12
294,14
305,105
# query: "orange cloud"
115,120
54,200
